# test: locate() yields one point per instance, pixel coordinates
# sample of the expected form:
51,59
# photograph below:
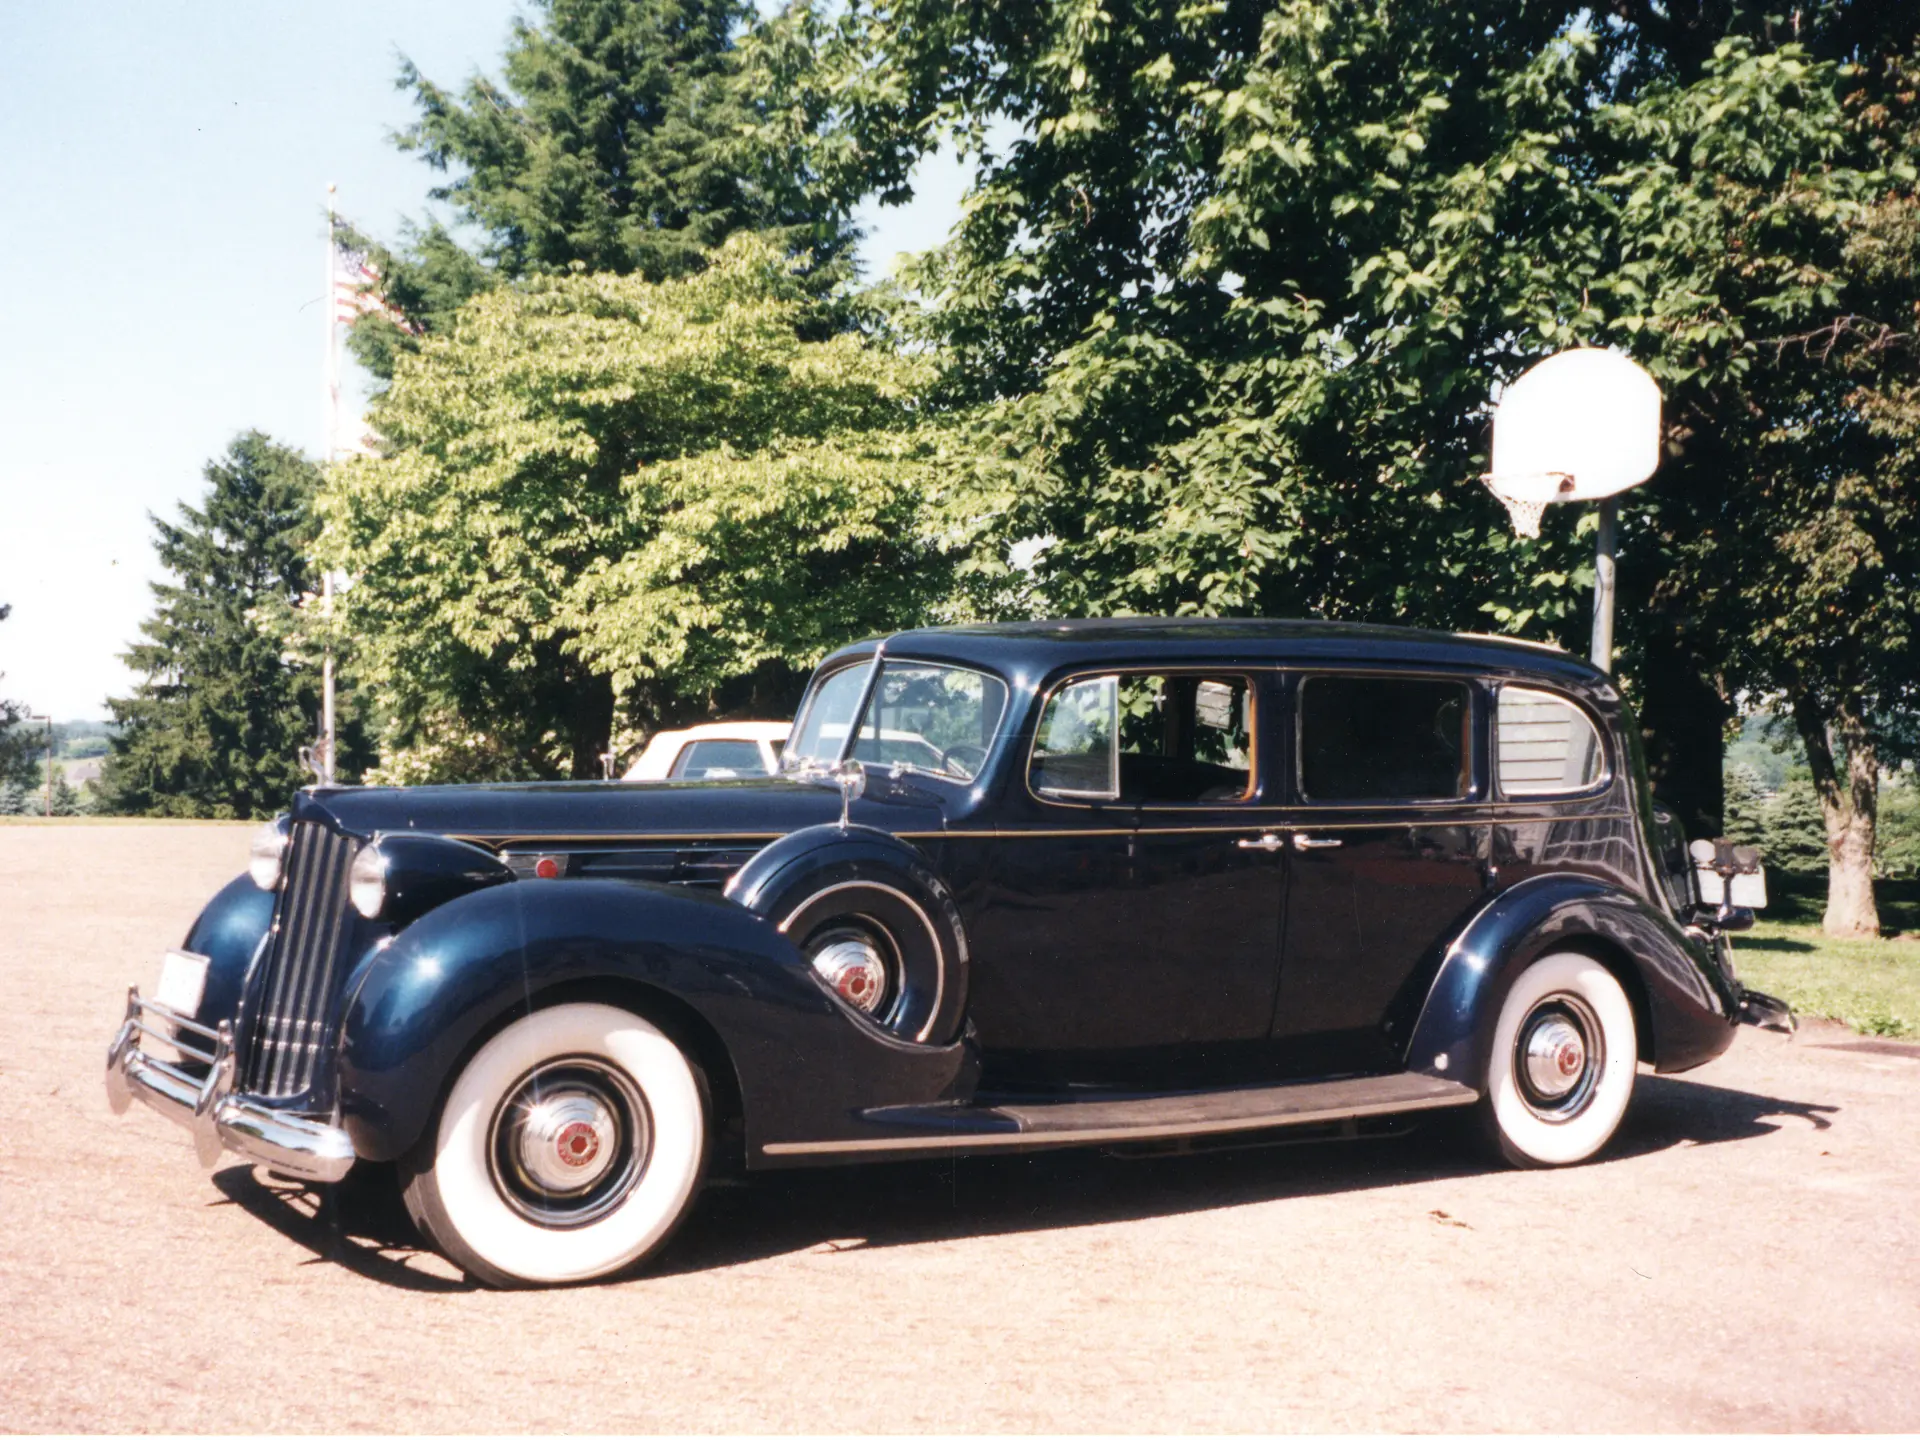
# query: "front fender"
420,1004
1685,1000
229,932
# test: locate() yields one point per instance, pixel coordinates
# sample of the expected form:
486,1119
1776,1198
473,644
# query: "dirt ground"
1746,1257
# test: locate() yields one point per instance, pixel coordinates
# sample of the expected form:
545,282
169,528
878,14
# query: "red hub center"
1569,1060
578,1144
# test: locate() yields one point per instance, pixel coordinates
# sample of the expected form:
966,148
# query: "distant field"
1872,985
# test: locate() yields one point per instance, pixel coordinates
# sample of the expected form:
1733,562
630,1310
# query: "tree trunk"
592,723
1850,803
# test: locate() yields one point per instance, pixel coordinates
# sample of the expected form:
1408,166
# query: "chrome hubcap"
855,968
569,1142
1559,1054
1555,1057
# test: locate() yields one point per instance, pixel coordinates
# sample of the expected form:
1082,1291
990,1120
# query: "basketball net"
1526,516
1525,513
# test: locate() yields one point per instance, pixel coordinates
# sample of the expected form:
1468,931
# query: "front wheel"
1562,1065
568,1148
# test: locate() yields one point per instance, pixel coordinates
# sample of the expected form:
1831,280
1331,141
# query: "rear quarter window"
1544,744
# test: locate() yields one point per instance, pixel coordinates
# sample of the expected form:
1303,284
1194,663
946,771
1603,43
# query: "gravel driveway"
1746,1257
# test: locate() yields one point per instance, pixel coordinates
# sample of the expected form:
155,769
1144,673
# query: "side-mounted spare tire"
874,921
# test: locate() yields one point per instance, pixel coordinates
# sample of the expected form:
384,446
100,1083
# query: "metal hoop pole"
1603,583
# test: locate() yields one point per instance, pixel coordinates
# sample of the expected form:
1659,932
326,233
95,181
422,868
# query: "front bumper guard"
219,1119
1766,1013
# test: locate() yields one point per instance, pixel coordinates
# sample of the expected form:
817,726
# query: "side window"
1365,737
719,759
1074,757
1544,745
1185,739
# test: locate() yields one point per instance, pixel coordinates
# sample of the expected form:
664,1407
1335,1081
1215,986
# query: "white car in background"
723,750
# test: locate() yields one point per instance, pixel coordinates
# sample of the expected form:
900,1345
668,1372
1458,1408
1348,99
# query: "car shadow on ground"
364,1227
361,1225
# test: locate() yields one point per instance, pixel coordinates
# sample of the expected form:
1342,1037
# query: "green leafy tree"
216,725
599,486
1771,226
626,136
1235,281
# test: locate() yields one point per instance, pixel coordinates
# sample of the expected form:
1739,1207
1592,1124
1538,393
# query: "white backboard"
1580,425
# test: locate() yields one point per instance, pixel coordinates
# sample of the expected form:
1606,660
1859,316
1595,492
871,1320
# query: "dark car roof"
1031,646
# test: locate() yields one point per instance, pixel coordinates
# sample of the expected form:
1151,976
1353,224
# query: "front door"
1388,860
1130,934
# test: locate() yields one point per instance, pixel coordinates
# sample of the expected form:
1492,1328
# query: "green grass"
1871,985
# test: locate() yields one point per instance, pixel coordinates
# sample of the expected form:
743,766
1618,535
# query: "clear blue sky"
163,171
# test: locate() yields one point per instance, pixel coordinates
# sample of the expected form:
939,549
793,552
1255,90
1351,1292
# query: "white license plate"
183,980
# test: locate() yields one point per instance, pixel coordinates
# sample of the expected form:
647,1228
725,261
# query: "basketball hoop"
1580,425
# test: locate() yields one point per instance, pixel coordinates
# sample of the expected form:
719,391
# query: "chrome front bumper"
220,1120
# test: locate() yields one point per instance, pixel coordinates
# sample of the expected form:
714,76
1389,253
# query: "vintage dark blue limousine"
1128,881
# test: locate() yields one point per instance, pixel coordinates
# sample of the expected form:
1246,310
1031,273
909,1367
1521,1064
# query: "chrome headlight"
367,881
265,852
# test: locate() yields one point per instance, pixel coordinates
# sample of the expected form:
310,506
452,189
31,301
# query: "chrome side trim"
1048,1138
295,1145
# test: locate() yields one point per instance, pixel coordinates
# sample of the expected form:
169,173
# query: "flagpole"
332,446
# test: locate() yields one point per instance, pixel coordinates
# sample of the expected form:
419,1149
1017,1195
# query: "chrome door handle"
1268,843
1315,842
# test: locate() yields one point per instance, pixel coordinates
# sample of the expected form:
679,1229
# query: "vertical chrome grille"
305,964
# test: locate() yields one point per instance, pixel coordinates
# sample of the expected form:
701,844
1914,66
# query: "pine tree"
1744,806
66,800
13,799
1793,830
625,136
215,728
19,745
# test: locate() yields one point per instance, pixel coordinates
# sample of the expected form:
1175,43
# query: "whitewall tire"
568,1148
1561,1069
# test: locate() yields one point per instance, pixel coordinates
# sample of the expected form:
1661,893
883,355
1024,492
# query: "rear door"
1130,934
1388,857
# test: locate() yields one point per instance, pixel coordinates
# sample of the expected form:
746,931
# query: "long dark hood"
510,815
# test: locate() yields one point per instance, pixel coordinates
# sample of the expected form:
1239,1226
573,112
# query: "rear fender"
422,1003
1682,997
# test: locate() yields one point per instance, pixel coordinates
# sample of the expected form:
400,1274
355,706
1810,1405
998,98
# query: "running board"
1034,1124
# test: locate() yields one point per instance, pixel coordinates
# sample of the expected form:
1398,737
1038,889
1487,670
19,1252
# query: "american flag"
356,289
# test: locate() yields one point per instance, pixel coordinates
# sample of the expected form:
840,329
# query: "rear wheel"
1562,1065
569,1148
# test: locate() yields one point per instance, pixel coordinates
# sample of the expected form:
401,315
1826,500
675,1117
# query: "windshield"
935,719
